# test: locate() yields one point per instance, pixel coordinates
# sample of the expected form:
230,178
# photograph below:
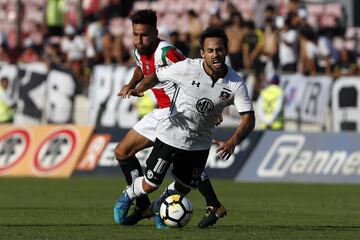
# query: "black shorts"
187,165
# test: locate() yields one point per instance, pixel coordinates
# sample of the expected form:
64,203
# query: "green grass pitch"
81,208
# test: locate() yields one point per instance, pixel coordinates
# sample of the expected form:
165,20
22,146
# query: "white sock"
135,190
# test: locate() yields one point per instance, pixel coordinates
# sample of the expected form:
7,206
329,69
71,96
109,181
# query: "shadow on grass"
217,227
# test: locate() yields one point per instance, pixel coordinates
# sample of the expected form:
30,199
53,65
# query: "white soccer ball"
176,211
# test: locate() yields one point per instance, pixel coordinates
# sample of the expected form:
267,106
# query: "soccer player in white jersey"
150,54
205,87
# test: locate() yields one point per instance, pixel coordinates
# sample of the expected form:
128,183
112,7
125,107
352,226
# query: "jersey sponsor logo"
204,105
288,156
13,147
55,151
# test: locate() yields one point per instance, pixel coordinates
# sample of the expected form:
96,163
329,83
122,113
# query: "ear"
202,53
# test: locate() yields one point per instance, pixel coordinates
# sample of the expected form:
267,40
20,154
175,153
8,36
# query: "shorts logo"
149,174
13,147
55,150
204,105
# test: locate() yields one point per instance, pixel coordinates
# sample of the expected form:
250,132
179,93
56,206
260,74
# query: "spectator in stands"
195,29
176,41
113,49
52,54
215,20
29,54
38,37
236,32
270,106
264,10
327,55
230,11
4,54
73,47
346,64
55,17
270,50
309,50
252,47
4,50
95,33
118,8
288,45
6,104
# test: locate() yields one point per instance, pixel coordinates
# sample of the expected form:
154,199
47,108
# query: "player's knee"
121,153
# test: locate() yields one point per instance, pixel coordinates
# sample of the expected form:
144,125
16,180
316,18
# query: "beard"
145,50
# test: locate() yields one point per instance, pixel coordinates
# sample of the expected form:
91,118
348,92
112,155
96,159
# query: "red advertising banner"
41,151
89,160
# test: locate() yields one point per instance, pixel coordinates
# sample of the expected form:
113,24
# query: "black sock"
132,169
208,192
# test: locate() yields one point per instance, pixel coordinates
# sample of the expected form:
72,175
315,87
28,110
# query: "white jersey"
198,103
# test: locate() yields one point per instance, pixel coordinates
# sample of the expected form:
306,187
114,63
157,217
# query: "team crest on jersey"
225,94
204,105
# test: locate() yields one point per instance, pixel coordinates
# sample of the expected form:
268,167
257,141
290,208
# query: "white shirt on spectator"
287,54
74,49
311,50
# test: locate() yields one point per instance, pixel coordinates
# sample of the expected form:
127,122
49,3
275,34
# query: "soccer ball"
176,211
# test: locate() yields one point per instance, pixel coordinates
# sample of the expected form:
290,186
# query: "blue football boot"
121,208
159,223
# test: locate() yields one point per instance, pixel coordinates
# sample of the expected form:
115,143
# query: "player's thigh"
131,144
189,166
159,161
147,125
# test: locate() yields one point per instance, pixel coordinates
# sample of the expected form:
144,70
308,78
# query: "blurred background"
65,60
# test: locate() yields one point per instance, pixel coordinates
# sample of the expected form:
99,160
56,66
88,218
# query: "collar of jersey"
220,80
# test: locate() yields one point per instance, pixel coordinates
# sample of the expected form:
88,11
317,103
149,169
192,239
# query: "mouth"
216,63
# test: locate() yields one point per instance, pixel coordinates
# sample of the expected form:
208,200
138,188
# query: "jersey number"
160,166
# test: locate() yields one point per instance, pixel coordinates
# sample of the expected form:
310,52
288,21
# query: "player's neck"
154,46
215,75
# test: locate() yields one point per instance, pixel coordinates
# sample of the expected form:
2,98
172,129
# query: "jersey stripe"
172,54
175,56
148,64
174,99
162,98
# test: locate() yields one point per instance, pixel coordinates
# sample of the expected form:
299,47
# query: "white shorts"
147,125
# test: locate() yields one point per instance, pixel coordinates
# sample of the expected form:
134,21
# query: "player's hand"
134,92
225,149
124,91
219,120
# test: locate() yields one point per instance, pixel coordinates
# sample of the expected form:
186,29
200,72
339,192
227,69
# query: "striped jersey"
164,55
198,103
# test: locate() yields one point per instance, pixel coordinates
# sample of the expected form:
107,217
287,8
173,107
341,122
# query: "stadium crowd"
266,38
277,37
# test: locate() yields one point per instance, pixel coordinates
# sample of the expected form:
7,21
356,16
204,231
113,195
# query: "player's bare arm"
146,84
246,126
136,78
219,120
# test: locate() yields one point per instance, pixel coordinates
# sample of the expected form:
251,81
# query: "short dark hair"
146,16
213,32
